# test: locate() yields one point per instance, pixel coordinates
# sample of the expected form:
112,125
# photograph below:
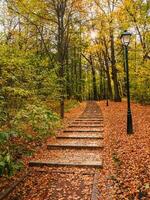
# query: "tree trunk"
80,67
75,72
61,53
94,80
117,97
110,94
100,82
68,89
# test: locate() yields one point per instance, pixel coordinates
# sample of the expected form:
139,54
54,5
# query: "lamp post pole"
125,38
129,114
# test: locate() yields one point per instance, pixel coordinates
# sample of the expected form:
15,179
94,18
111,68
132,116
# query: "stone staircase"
79,145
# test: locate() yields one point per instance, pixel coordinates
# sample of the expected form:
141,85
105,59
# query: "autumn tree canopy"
70,49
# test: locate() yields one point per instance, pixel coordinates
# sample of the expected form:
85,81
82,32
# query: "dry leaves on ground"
126,172
37,146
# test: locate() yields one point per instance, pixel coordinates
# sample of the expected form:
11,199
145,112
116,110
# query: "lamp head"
125,38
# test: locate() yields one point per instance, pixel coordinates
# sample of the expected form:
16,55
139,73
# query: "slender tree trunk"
80,79
108,77
117,97
68,89
72,77
80,67
94,80
100,82
110,95
75,72
61,53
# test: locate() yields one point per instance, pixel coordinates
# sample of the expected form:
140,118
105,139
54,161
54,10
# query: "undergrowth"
30,125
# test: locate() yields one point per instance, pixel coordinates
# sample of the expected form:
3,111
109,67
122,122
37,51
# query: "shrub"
38,117
141,91
3,114
7,165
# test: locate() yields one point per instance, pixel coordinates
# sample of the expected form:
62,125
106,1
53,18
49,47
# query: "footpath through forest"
69,167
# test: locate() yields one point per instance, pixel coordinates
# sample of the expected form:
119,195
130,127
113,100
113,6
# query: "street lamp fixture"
125,38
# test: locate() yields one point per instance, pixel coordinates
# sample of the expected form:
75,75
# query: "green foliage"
10,153
3,114
28,137
18,150
6,135
141,91
7,165
140,84
3,137
41,119
69,104
26,76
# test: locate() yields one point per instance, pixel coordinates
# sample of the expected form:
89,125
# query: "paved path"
69,167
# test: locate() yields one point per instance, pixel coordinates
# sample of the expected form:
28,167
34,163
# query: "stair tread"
76,145
75,164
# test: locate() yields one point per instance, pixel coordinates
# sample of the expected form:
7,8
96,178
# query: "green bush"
3,114
140,82
140,91
7,165
38,117
5,135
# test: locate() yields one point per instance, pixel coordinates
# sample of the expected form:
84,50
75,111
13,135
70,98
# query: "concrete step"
90,119
86,122
85,126
41,163
74,146
69,157
79,137
83,130
90,116
84,135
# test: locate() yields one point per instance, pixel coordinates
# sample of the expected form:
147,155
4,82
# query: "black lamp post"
125,37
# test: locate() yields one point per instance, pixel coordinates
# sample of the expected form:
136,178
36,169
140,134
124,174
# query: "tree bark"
61,52
68,88
117,97
94,80
110,94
